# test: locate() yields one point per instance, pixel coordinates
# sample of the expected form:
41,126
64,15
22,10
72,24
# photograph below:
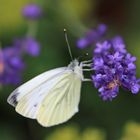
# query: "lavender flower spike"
11,66
92,36
27,45
32,11
114,67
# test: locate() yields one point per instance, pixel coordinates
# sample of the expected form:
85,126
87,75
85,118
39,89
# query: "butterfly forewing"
29,104
32,84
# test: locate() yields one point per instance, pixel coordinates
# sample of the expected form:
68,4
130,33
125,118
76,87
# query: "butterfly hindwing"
62,101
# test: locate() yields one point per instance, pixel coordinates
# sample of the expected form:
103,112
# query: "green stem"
32,28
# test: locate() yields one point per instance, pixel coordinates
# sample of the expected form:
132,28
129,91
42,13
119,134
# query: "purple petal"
135,88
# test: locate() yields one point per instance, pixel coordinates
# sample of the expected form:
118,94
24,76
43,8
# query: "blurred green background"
96,120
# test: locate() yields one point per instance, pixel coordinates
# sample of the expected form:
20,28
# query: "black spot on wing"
13,98
35,105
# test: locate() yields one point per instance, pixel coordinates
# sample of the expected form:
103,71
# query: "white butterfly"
53,96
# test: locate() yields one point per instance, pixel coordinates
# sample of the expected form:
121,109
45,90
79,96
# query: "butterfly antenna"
69,48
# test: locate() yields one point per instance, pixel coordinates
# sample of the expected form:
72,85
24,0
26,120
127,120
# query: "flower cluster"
92,36
27,45
114,67
11,66
11,58
11,63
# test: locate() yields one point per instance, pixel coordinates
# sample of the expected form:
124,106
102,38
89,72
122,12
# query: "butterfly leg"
87,65
88,69
88,61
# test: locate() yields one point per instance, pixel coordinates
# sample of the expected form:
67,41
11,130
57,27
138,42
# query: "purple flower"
11,63
119,44
32,11
114,67
31,46
28,45
11,66
92,36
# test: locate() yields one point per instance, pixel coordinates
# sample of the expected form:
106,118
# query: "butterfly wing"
32,84
29,104
62,101
52,99
27,97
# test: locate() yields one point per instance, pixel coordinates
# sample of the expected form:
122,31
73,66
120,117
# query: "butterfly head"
76,67
73,64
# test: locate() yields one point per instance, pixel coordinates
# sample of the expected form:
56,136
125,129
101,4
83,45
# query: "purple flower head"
92,36
28,45
11,66
31,46
32,11
114,67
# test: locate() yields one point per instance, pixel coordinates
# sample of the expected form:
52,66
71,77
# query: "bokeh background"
96,120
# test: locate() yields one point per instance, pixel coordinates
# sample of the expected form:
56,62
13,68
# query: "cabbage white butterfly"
53,96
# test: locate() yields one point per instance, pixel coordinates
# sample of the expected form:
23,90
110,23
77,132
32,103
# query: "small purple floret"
31,46
114,67
32,11
92,36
